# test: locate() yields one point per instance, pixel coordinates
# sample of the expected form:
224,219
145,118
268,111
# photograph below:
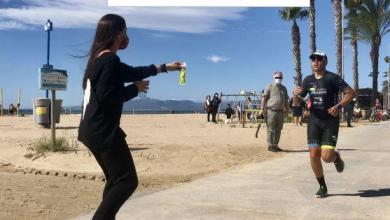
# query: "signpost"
52,79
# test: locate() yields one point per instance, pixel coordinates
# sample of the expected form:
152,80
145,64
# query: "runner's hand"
142,86
298,90
175,65
334,111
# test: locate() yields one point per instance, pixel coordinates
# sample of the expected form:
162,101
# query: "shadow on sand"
67,128
367,193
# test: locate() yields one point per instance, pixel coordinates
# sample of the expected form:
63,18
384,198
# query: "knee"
327,158
131,184
315,154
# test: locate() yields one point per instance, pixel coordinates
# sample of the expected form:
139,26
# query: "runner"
323,88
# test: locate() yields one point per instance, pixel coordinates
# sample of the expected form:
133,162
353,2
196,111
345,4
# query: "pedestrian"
215,106
104,94
349,110
207,106
297,106
323,88
229,113
274,107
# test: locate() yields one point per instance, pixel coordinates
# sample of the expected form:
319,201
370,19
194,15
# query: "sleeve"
132,74
340,83
110,89
286,105
266,91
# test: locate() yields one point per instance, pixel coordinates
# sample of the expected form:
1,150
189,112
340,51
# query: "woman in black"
104,95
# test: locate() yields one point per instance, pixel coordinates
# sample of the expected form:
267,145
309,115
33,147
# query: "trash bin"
42,111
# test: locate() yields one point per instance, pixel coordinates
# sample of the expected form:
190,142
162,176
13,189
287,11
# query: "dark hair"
107,31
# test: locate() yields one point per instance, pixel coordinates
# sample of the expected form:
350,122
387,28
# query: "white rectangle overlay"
211,3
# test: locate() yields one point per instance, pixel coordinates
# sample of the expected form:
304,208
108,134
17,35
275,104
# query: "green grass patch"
44,145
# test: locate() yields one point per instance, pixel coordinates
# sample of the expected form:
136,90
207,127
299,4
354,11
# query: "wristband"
339,106
163,68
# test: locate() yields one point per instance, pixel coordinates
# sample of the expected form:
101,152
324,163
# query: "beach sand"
167,149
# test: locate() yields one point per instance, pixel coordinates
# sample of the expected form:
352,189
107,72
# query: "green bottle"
182,79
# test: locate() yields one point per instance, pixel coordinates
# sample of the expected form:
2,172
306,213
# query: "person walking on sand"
104,95
215,106
297,106
323,88
274,107
207,107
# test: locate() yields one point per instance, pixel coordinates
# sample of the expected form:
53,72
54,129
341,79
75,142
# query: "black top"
104,96
323,93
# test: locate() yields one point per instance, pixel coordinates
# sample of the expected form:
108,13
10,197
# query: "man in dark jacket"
214,107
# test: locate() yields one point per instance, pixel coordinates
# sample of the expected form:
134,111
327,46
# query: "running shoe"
339,163
322,192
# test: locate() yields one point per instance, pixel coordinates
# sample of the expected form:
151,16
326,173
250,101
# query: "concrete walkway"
283,188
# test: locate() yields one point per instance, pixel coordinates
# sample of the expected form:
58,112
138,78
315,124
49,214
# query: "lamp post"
387,60
48,27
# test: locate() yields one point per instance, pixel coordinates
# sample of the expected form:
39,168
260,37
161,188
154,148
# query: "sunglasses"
317,58
278,77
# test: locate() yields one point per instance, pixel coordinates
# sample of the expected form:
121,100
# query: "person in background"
274,107
349,110
207,107
297,106
229,113
215,106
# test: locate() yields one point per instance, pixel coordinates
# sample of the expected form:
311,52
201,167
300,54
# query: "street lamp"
387,60
48,27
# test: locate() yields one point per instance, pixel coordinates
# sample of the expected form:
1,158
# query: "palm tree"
338,17
372,22
350,30
312,13
293,14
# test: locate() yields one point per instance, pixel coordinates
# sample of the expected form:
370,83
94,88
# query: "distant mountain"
148,104
156,105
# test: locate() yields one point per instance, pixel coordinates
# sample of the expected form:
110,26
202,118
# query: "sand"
167,149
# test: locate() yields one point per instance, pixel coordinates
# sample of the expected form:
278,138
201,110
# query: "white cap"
318,53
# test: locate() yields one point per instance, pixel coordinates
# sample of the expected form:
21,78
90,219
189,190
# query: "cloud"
85,14
217,59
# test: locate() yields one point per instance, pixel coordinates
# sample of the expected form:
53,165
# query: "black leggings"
121,178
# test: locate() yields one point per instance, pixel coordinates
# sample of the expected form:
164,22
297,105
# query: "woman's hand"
142,86
175,65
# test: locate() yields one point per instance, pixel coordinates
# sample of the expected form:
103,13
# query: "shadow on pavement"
295,151
367,193
346,149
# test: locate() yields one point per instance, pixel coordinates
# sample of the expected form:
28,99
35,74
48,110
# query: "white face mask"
278,81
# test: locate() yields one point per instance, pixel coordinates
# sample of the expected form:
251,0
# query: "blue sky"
226,49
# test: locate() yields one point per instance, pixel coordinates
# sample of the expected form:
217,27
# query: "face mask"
278,81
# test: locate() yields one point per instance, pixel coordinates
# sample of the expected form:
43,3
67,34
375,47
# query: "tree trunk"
312,26
374,55
355,64
339,38
296,39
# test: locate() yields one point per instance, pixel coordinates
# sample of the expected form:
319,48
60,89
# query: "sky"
226,49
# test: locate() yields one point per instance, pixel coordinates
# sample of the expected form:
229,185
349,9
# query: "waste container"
42,111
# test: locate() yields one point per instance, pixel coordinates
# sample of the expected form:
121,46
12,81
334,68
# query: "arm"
348,92
110,90
132,74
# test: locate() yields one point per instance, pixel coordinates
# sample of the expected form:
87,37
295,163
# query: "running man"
323,88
